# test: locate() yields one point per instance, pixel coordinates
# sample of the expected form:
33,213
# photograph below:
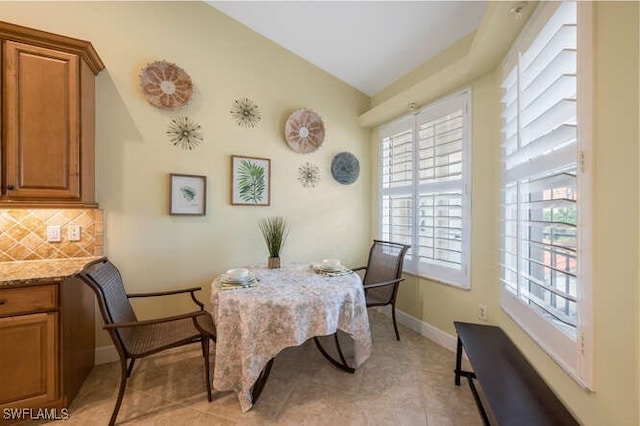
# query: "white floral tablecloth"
288,307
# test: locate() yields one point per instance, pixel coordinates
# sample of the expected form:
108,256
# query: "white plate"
247,279
327,268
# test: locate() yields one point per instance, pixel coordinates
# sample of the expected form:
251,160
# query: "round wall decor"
166,85
345,168
304,131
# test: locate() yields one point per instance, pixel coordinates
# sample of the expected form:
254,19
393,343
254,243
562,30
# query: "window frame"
433,272
575,357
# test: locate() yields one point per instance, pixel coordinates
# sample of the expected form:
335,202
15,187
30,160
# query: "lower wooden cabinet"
47,342
29,359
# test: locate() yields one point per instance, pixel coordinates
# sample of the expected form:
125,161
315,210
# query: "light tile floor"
409,382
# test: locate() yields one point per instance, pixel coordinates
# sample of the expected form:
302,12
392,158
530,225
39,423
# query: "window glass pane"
397,160
441,229
440,144
397,217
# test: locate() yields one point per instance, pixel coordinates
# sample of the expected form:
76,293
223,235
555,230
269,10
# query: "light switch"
53,233
73,232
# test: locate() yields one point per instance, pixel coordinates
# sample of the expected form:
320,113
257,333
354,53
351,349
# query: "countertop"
29,272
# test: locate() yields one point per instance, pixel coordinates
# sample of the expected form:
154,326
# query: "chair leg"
123,384
393,315
205,353
130,367
202,339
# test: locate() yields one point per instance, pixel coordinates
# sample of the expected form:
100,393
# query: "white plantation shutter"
396,174
424,188
539,238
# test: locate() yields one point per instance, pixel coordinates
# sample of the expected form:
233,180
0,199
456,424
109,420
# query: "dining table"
286,307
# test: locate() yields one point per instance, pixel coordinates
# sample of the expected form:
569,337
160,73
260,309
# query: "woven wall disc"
345,168
304,131
166,85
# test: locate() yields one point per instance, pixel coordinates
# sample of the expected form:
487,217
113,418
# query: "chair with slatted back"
383,274
135,339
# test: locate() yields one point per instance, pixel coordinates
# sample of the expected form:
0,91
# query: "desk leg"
341,365
458,362
262,380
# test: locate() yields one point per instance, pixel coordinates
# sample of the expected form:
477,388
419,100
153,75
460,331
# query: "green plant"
251,182
275,230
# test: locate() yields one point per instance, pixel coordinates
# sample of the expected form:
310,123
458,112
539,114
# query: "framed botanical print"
188,195
250,181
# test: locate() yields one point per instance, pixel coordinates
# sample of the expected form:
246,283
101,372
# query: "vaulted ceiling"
368,45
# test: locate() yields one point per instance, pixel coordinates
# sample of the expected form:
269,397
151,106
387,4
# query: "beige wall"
226,61
616,251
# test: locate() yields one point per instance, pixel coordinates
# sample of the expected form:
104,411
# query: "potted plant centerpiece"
275,231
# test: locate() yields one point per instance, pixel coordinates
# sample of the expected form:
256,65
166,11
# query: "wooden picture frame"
187,195
250,181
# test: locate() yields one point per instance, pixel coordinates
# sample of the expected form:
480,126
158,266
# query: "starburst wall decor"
185,133
245,112
309,175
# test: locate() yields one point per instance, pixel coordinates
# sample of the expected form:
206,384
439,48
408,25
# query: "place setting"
238,278
331,268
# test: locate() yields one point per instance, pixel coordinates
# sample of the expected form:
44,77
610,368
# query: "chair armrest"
164,293
382,284
153,321
359,268
172,292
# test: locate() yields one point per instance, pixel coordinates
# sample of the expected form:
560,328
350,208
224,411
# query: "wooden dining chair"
135,339
383,274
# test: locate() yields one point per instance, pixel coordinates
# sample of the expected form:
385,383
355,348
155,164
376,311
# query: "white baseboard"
432,333
106,354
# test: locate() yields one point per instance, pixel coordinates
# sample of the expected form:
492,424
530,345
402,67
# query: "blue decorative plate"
345,168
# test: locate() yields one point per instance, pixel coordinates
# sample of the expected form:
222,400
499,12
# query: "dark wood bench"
514,392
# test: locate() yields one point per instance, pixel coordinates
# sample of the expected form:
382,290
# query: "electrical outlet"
73,232
53,233
482,312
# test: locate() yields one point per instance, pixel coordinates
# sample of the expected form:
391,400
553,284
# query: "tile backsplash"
23,233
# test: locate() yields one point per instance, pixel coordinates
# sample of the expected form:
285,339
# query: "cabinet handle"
10,187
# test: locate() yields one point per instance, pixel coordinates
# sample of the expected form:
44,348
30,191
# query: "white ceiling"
367,44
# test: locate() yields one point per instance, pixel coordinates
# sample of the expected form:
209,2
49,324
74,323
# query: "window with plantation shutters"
396,173
540,234
424,170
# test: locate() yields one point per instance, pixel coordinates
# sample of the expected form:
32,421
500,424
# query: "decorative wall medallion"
309,175
166,85
245,112
345,168
185,133
304,131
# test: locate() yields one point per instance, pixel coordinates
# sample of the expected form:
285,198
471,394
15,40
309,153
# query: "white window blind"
540,203
424,188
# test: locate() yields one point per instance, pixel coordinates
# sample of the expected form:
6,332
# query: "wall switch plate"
73,232
482,312
53,233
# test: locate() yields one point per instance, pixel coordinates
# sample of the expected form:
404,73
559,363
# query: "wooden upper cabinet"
48,118
41,122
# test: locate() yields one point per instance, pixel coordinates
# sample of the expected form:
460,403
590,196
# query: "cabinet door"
41,126
28,360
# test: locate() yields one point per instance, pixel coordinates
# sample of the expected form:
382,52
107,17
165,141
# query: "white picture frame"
250,181
188,195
